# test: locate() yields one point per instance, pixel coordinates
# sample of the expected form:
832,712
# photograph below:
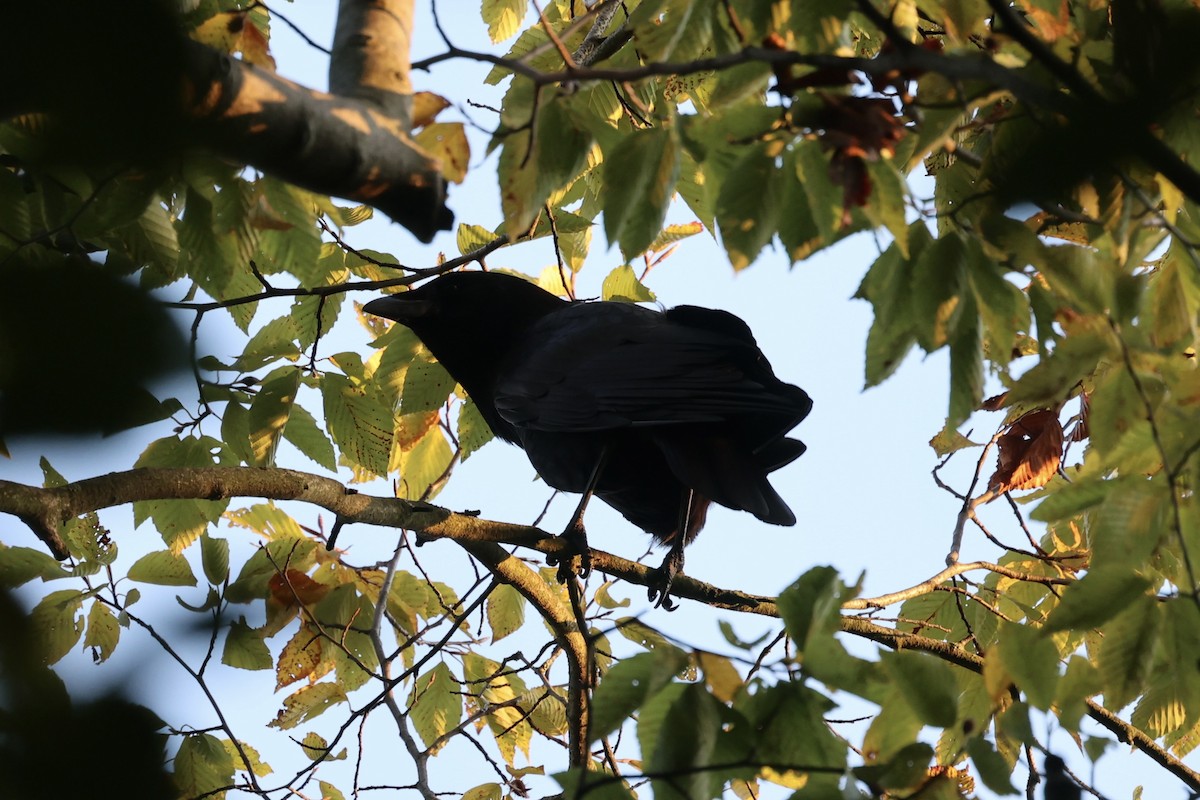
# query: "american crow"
657,413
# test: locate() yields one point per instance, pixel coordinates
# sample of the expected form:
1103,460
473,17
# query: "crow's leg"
664,576
575,535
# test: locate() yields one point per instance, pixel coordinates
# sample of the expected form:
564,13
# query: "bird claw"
578,558
661,579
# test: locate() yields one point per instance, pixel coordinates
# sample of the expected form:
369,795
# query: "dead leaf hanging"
1030,452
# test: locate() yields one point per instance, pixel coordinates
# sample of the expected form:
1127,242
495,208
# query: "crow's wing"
605,366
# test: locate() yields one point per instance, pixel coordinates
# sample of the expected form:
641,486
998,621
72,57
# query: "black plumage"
657,413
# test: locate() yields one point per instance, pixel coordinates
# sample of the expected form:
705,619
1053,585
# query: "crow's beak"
399,307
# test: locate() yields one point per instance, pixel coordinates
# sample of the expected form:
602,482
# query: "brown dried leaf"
994,403
292,586
426,107
1030,452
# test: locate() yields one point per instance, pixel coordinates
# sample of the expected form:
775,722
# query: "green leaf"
1055,376
269,413
622,284
181,521
895,727
243,752
473,431
788,719
214,556
19,565
505,611
966,364
358,422
628,684
203,766
1032,661
435,705
472,237
562,150
938,281
1069,499
824,196
164,568
291,552
927,684
485,791
885,206
682,742
274,341
56,623
103,632
426,385
307,703
329,791
948,440
810,607
748,206
302,431
738,83
1124,654
639,178
245,648
1101,594
503,17
425,466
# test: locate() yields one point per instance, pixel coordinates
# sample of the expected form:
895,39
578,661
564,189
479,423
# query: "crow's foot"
662,578
578,559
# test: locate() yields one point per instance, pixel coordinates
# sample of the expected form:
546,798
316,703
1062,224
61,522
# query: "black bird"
1059,785
657,413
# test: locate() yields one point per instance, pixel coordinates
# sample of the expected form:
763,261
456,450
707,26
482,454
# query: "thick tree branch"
144,75
344,146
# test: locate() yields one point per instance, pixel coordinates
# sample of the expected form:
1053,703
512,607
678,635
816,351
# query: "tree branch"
47,509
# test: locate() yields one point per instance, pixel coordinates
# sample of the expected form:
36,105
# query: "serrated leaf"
214,556
302,431
628,684
639,179
473,431
1124,654
748,206
424,467
1031,660
1101,594
56,624
447,142
164,568
505,611
19,565
948,440
623,284
269,414
435,705
927,685
360,424
426,385
484,791
181,522
299,657
472,237
242,753
103,631
503,17
203,766
307,703
245,648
